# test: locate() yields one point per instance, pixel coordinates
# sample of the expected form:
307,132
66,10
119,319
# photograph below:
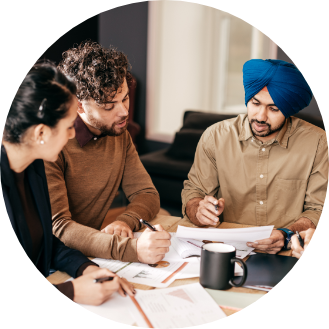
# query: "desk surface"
170,224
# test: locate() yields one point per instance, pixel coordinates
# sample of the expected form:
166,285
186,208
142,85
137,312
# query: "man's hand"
119,228
296,248
206,213
152,246
86,291
272,245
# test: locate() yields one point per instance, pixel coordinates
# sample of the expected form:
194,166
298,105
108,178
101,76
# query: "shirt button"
263,149
261,176
261,202
95,138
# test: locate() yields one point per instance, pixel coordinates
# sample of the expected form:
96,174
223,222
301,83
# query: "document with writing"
177,307
159,275
180,248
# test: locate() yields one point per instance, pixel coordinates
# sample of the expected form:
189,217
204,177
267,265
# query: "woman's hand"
86,291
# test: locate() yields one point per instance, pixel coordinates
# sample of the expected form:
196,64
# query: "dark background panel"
84,31
126,28
313,108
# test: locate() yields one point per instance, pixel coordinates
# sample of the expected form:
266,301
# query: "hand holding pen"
209,209
97,286
153,244
300,241
147,224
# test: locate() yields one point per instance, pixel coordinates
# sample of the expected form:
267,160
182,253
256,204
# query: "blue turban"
286,85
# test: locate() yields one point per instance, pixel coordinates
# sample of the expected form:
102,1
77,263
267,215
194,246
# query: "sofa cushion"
160,164
185,143
203,120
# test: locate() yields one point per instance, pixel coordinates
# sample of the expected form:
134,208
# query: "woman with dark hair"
39,124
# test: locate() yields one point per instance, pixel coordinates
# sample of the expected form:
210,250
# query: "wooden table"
170,224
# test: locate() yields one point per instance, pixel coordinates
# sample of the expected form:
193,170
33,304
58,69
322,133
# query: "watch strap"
288,235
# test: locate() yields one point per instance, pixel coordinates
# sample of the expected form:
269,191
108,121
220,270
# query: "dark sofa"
169,167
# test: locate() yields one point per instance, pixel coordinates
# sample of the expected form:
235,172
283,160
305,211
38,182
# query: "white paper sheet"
191,270
249,234
116,309
143,273
178,307
242,250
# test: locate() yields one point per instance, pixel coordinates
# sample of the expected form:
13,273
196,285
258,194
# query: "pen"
301,242
147,224
100,280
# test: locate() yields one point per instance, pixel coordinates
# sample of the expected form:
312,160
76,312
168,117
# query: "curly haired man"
89,170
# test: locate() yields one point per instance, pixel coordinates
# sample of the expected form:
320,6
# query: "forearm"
312,212
92,242
302,224
145,206
191,210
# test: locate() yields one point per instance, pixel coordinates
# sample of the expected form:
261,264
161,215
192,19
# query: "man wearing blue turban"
266,167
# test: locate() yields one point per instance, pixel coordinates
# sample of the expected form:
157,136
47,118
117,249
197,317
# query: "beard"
105,129
267,132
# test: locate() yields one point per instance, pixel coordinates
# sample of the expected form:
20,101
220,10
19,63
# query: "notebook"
186,247
266,270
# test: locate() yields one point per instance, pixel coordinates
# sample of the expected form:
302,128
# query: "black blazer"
55,254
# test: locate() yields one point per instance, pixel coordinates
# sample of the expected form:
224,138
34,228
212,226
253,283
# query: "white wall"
190,54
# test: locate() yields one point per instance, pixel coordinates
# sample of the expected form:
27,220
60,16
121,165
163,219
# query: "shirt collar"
282,137
284,134
246,132
82,134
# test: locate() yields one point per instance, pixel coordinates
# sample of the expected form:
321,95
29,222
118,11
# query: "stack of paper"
248,234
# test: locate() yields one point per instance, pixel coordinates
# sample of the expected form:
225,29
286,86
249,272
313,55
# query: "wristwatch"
287,234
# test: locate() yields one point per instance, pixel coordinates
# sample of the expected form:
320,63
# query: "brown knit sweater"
82,185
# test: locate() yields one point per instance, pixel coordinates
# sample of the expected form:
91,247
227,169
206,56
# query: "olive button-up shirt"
271,183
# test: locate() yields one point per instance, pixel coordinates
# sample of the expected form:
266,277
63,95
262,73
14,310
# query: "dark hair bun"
43,97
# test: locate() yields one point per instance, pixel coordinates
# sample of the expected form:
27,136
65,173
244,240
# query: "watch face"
289,245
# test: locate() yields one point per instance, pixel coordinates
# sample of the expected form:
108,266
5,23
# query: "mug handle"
245,272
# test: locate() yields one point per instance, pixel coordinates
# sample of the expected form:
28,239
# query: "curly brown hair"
98,72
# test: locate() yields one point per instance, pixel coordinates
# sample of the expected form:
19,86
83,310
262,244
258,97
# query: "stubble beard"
270,131
106,130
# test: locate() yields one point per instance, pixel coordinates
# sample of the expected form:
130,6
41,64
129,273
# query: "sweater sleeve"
66,288
89,241
139,190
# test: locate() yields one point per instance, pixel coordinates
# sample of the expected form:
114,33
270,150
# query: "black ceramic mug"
217,266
